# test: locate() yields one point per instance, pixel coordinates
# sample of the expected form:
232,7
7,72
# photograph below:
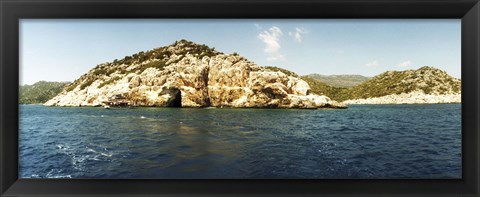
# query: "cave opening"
177,100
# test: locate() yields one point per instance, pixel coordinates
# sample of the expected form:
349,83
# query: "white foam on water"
106,155
62,147
78,158
54,173
96,158
61,176
100,153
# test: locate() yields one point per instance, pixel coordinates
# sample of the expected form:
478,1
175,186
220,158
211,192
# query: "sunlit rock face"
186,74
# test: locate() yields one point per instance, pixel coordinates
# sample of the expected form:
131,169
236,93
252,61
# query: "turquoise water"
363,141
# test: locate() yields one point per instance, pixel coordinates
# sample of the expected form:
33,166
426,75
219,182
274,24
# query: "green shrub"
87,83
71,87
109,72
320,88
109,81
284,71
177,60
159,64
99,72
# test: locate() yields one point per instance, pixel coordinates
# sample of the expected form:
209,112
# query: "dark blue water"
363,141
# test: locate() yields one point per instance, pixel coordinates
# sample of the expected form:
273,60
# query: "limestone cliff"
186,74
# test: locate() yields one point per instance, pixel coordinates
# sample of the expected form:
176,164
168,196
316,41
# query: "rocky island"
186,74
426,85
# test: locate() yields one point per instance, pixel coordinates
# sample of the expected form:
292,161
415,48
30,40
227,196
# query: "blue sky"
63,50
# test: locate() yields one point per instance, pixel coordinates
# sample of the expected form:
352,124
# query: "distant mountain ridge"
342,81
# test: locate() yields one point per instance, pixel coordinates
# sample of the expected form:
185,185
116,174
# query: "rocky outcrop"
189,75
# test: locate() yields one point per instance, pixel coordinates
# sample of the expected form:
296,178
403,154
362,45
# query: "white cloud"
271,39
405,64
372,63
297,35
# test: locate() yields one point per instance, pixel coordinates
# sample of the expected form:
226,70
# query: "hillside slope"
341,81
424,85
39,92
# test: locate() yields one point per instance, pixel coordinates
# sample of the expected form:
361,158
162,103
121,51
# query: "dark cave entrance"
177,99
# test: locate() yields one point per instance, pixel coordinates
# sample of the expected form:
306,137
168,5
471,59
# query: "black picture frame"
13,10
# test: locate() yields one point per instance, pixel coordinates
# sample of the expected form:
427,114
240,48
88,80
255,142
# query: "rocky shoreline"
417,97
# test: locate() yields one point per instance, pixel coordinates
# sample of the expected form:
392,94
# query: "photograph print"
240,99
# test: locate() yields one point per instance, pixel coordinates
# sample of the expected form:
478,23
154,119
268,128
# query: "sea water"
361,142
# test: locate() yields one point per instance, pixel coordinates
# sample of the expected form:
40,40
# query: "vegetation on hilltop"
320,88
343,81
427,79
39,92
158,58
